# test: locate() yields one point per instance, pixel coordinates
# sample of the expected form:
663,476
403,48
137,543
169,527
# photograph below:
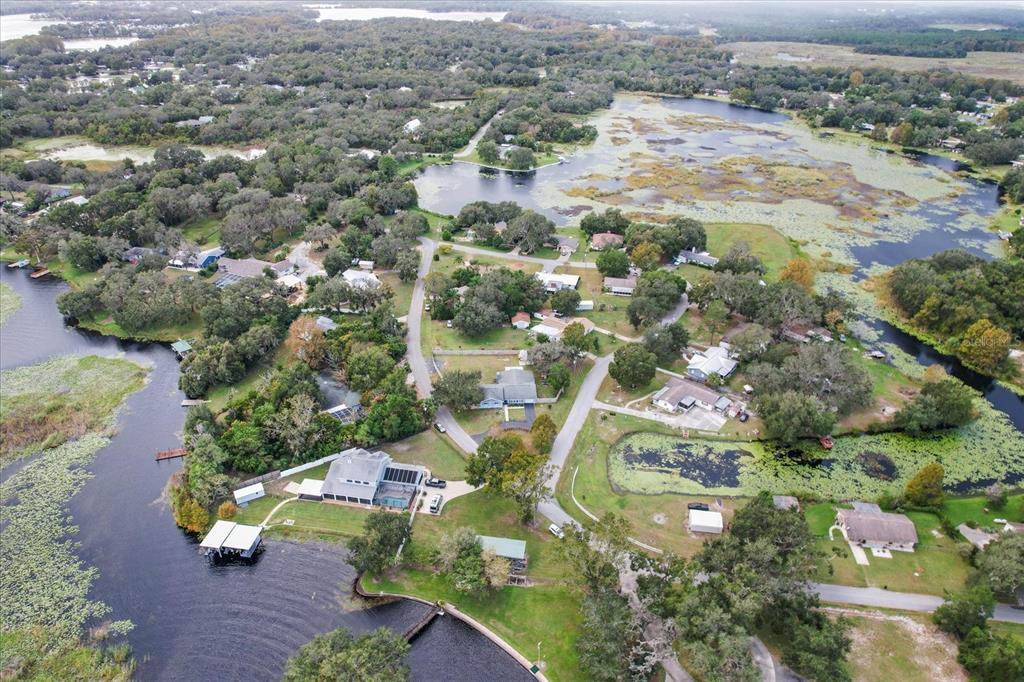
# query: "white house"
552,327
619,286
360,278
555,282
714,360
412,126
706,521
364,477
521,320
682,394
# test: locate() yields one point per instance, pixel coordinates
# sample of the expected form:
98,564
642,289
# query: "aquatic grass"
987,450
42,581
10,302
63,398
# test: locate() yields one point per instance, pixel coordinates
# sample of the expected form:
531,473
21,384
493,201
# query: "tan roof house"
605,240
521,320
877,529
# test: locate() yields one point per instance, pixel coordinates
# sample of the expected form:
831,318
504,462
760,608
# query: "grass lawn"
890,389
403,292
609,310
963,509
540,159
548,612
593,490
69,273
432,450
614,394
766,243
312,520
934,566
436,334
205,232
220,395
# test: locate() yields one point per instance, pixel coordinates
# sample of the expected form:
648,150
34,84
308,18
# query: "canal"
193,620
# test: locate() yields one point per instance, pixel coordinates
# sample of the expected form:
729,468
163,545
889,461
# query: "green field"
547,612
205,232
765,242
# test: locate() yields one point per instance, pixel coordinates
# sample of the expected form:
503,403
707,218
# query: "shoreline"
452,610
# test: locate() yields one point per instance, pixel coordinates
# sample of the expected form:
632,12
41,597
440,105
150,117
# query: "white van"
435,504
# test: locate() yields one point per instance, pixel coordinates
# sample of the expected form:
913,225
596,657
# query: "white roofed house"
512,386
682,394
412,126
702,258
555,282
360,278
714,360
552,327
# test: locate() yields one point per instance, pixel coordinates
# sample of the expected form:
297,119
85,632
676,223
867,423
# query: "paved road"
549,263
567,436
906,601
417,363
477,136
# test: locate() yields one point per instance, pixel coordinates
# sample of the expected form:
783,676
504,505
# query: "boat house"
230,539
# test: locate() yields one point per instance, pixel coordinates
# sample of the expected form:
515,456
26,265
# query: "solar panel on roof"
409,476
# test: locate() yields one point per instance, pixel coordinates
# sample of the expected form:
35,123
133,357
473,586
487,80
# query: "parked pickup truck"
436,483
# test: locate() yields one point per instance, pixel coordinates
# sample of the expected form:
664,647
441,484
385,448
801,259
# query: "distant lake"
88,151
93,44
13,26
332,13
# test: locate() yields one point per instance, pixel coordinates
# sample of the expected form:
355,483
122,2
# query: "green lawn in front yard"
312,520
432,450
934,566
436,334
403,292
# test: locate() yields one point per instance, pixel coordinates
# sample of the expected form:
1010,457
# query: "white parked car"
557,531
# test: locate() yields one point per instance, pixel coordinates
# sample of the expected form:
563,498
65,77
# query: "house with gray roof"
701,258
371,478
682,394
512,386
877,529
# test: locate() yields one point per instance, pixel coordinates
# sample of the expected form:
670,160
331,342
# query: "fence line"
494,351
310,465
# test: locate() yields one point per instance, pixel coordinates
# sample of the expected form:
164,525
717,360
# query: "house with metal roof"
555,282
360,278
370,478
512,550
714,360
512,386
553,327
701,258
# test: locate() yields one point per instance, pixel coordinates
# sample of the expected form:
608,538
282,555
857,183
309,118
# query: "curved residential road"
417,363
477,136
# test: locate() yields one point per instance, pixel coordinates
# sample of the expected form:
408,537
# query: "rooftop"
504,547
871,526
678,389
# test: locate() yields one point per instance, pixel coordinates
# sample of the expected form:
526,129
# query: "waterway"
917,207
193,620
333,13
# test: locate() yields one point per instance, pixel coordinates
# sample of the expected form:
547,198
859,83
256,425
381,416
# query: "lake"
333,13
193,620
718,162
75,149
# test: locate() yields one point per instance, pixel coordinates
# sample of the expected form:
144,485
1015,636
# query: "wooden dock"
40,273
191,403
170,454
417,627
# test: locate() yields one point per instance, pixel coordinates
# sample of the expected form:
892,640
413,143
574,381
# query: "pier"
40,273
170,454
417,627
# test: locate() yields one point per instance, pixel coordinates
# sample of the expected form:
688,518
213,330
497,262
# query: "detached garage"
244,496
705,521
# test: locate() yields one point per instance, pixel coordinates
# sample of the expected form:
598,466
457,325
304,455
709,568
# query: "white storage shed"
244,496
705,521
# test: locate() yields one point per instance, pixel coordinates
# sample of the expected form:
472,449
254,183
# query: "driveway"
305,266
477,136
417,363
696,418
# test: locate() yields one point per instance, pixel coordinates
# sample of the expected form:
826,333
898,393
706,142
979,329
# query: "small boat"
23,263
826,442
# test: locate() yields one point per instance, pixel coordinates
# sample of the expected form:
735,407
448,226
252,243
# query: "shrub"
227,510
